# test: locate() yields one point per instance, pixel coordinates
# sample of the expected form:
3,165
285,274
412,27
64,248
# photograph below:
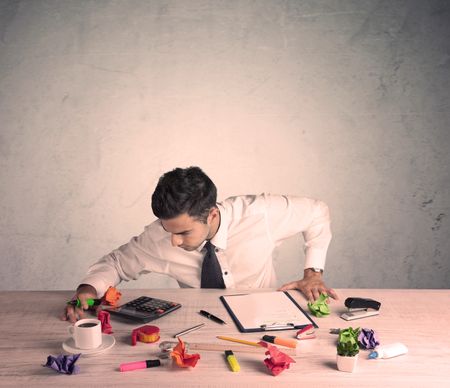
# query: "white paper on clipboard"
261,311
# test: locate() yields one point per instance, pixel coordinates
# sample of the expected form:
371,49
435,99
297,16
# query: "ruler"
165,346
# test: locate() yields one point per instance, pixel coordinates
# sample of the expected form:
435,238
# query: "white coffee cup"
87,333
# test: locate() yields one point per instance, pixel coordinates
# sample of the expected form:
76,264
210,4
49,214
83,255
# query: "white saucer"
108,342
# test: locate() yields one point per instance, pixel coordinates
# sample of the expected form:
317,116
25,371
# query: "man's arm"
289,215
127,262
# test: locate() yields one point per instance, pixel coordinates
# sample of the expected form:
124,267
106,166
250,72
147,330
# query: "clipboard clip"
277,326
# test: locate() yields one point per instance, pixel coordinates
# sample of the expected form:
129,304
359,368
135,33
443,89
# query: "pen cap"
152,363
269,338
232,361
290,343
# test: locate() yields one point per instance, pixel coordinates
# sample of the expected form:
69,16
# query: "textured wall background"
347,101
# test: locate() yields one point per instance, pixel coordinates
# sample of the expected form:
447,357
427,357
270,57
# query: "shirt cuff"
99,285
315,258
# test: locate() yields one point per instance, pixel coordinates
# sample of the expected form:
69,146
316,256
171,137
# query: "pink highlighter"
139,365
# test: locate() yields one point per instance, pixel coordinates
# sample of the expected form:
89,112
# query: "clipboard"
264,311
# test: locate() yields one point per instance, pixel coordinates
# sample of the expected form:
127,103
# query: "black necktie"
211,271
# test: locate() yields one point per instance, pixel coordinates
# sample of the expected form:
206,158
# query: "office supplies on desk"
306,332
212,317
240,341
263,311
146,333
90,302
288,342
232,361
362,303
196,327
388,351
144,309
129,366
167,346
360,308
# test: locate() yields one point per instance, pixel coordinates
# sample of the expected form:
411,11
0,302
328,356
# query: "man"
202,243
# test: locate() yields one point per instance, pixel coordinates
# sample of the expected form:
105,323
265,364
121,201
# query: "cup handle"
70,329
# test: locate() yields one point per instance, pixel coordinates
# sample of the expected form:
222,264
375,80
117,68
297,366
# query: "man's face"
187,232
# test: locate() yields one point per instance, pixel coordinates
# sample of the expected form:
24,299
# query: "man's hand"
311,286
84,292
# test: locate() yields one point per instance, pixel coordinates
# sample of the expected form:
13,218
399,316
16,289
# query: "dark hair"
184,190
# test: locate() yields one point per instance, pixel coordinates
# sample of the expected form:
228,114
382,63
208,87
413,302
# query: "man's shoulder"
246,204
155,231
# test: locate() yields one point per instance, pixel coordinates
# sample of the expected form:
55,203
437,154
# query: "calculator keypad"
146,309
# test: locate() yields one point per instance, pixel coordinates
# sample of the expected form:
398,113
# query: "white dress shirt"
250,228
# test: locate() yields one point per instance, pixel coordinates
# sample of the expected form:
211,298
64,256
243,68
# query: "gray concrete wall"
347,101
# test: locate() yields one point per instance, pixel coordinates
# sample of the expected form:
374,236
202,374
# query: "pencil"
240,341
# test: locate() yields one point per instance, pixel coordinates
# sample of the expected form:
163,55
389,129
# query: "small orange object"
181,358
147,334
112,296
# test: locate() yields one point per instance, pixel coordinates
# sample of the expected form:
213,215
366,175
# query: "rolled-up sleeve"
127,262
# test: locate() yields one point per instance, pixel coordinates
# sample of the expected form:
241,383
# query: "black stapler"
360,308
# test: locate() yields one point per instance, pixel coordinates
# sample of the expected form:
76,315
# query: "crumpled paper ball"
277,361
105,318
112,296
63,363
367,339
320,308
181,358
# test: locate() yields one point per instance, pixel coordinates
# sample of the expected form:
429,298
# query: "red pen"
139,365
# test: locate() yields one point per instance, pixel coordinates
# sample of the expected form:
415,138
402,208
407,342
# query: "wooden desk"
30,330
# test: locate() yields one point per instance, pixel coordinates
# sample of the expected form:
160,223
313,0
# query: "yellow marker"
231,358
239,341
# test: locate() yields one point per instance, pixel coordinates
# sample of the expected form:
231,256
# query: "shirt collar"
221,237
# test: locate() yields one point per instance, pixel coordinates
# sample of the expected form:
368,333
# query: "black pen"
212,317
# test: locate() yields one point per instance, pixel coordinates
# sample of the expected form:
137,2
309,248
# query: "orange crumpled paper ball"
181,358
112,296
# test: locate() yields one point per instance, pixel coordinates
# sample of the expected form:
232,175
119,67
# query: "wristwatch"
314,269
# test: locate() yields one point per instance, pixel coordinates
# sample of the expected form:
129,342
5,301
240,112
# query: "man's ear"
213,213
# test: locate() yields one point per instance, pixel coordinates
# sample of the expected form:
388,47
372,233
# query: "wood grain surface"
30,330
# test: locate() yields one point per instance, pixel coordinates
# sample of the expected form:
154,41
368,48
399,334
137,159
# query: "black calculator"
144,309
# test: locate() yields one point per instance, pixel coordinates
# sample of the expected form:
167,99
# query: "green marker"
90,302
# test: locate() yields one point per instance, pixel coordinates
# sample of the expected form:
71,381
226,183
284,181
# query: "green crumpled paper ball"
320,308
